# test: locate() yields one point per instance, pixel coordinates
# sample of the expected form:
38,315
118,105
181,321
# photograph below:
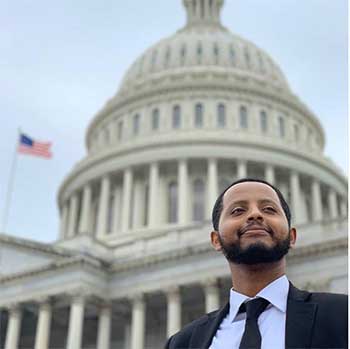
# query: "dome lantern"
203,12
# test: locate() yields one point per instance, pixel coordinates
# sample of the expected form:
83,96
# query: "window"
172,202
202,8
232,55
167,57
155,119
145,220
154,60
281,127
198,200
199,53
216,53
198,121
243,117
296,133
183,55
263,121
221,116
110,213
176,117
120,130
247,57
261,63
136,127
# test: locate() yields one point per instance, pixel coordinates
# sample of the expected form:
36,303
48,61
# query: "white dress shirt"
272,322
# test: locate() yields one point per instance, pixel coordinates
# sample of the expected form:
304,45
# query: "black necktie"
251,336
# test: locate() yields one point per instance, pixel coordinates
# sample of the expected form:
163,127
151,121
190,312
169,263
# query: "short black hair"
217,209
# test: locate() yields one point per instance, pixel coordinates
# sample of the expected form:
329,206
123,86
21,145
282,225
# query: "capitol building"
133,261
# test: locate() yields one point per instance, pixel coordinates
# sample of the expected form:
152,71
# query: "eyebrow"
244,202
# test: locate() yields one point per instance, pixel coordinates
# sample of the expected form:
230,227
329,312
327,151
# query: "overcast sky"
61,60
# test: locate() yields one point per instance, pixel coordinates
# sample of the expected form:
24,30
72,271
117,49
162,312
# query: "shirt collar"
276,293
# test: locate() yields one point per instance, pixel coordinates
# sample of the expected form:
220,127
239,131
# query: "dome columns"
183,191
203,11
127,194
85,209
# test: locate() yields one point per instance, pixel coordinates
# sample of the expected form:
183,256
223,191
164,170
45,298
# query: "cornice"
35,246
308,251
82,261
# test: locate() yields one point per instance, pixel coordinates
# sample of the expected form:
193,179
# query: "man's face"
253,227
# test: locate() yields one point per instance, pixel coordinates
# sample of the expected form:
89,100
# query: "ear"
293,236
214,237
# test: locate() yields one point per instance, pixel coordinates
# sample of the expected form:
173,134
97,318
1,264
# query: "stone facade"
133,262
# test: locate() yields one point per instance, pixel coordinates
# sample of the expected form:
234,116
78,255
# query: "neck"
251,279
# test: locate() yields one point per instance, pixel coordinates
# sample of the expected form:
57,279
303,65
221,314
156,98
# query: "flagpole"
10,187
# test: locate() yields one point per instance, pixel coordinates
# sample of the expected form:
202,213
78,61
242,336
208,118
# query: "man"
252,228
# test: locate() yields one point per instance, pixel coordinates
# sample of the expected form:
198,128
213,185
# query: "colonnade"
128,199
105,312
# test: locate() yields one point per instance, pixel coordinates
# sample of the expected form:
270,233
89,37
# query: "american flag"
29,146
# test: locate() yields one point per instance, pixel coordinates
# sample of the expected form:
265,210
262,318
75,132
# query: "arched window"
216,53
199,53
232,55
296,133
247,57
263,121
110,213
154,60
183,54
198,118
281,127
136,126
155,119
120,130
167,57
176,116
221,115
198,192
243,117
172,202
223,184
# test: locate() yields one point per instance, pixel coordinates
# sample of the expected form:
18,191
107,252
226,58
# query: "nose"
254,214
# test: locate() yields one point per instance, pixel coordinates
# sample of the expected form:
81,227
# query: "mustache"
254,225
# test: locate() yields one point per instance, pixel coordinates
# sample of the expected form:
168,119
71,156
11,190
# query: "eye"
269,209
237,211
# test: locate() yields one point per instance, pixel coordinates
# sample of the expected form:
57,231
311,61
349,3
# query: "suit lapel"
300,319
204,332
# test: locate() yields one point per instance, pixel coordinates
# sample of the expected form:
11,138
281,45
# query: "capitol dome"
193,113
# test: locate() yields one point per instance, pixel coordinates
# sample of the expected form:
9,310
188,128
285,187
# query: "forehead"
250,191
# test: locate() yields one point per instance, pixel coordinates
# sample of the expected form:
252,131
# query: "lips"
254,229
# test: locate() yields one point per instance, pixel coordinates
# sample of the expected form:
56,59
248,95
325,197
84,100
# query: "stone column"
73,215
84,225
117,209
153,195
343,207
64,221
241,169
212,185
102,215
295,196
138,323
13,327
76,322
174,311
183,191
138,205
126,205
42,336
332,203
317,214
104,327
270,174
212,296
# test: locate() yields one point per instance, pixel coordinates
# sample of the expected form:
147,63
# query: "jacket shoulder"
182,338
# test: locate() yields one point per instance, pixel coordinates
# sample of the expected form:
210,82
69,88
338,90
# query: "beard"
255,253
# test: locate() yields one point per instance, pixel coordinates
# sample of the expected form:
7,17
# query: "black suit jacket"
314,320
